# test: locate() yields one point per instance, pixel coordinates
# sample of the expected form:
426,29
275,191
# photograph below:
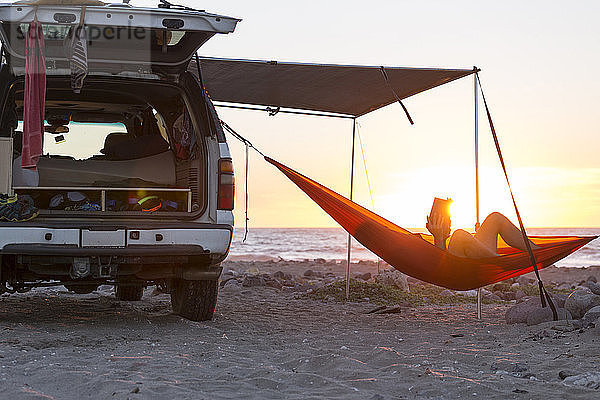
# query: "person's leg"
463,244
497,224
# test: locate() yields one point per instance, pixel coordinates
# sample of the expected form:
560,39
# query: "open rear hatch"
120,38
115,150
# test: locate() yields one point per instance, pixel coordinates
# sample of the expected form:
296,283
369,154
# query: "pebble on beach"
520,312
393,278
590,380
539,315
593,286
579,302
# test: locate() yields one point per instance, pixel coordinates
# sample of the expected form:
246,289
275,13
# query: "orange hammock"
415,255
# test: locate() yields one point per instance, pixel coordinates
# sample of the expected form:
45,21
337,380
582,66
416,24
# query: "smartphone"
441,207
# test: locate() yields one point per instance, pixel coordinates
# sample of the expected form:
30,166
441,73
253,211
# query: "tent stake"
477,176
479,303
351,193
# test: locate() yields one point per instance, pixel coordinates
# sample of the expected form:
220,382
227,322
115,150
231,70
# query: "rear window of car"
83,141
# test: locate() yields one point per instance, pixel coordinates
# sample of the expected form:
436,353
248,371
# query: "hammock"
416,256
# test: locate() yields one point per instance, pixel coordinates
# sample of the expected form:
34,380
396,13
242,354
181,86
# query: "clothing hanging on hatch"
77,51
34,96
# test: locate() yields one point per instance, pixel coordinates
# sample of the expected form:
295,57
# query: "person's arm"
439,228
439,242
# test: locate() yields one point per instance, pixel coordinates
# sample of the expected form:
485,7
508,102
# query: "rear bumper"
139,252
212,240
142,262
189,252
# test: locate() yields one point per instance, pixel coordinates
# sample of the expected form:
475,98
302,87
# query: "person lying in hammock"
483,243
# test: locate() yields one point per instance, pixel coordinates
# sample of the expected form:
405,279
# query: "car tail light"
226,185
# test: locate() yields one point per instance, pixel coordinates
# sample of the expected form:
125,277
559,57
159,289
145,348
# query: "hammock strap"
389,84
210,125
246,199
240,137
248,146
362,150
544,295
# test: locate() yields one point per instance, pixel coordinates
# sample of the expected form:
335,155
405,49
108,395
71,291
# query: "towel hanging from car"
76,47
34,96
415,254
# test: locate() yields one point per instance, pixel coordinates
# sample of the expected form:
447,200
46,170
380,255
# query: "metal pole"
476,153
475,90
275,111
351,193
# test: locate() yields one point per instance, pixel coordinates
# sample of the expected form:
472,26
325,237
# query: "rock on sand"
589,380
253,281
539,315
579,302
521,312
393,278
592,315
594,287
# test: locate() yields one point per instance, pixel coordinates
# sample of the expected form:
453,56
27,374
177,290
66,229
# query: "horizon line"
339,227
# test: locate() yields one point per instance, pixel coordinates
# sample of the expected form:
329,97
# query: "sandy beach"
266,342
142,142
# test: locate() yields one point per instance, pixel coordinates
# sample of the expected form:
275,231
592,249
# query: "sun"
409,200
451,209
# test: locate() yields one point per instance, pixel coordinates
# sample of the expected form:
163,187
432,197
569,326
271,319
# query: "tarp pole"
274,111
477,178
476,154
351,193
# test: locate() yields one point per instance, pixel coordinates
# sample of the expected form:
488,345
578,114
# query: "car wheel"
129,291
194,300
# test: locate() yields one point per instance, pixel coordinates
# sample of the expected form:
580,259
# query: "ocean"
330,244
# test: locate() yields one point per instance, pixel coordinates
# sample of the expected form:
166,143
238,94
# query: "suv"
135,185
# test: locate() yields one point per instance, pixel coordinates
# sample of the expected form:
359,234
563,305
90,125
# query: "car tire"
194,300
129,291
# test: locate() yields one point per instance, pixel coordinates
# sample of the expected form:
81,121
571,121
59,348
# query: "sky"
539,61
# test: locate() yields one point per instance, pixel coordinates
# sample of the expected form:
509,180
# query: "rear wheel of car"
129,291
194,300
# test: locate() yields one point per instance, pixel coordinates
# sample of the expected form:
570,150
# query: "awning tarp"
339,89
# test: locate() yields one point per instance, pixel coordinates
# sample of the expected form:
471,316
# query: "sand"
266,343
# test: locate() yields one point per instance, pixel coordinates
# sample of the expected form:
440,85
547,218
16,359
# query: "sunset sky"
539,61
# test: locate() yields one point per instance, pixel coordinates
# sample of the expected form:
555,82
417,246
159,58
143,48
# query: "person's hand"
438,226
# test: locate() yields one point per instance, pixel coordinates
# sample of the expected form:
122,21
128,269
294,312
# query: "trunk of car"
181,197
135,61
145,169
58,198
